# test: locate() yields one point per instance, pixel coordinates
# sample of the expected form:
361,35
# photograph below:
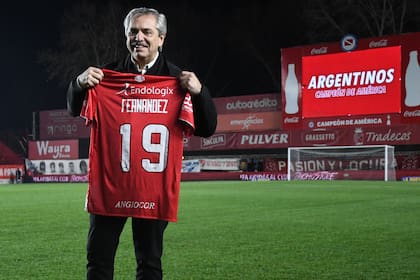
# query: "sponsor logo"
410,114
380,43
311,124
389,136
139,78
264,139
144,90
68,129
291,120
219,164
62,179
215,140
263,177
321,50
265,103
128,204
321,175
317,137
55,151
348,42
246,123
190,166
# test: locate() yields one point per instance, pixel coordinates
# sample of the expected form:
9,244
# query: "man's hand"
190,82
90,77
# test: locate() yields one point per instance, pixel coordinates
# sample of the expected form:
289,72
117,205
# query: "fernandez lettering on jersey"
158,106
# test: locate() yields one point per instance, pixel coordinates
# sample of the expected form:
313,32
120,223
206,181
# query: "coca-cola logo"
376,44
415,113
321,50
291,120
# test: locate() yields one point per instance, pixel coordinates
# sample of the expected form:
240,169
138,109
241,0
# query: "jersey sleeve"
88,111
186,115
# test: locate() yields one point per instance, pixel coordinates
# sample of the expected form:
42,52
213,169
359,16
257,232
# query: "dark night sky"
27,28
35,25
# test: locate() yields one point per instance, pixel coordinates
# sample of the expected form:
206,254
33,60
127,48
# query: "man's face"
143,39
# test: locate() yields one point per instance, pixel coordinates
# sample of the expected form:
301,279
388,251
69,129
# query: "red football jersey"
138,123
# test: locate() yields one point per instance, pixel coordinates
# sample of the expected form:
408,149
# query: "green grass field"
229,230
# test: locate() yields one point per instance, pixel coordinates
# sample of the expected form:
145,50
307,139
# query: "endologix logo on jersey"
145,90
147,104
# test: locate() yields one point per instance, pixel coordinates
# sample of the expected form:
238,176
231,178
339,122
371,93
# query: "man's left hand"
190,82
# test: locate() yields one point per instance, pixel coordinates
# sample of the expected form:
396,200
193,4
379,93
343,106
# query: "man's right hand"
90,77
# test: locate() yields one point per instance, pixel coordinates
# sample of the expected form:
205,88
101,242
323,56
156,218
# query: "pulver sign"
352,83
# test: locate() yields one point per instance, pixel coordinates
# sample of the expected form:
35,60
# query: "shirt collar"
147,66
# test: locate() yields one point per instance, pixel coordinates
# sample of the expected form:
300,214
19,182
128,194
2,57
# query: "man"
83,167
61,167
52,167
145,31
42,167
71,168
